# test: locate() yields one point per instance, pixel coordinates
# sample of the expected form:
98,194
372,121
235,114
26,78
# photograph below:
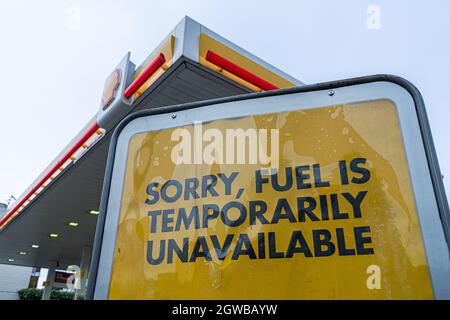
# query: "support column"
49,281
84,272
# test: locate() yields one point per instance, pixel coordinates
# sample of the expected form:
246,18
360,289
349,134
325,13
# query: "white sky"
52,74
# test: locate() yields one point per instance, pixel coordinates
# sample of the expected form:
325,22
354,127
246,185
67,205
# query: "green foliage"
61,295
30,294
36,294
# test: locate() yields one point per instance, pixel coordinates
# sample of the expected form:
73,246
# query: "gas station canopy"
56,216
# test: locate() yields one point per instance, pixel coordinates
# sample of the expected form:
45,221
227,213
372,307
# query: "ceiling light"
93,212
73,224
22,253
54,235
11,260
35,246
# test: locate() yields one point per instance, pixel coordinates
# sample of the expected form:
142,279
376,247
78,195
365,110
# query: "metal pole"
50,281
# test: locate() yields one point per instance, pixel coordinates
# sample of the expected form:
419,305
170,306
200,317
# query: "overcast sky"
53,68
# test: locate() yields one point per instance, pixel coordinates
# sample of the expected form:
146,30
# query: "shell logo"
110,89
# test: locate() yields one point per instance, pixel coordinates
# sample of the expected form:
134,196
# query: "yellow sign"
110,89
336,219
